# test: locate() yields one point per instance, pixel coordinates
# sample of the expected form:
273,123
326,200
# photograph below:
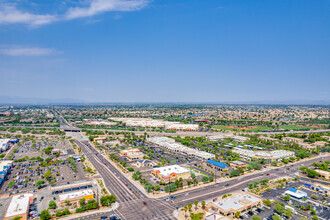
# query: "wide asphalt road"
239,183
133,204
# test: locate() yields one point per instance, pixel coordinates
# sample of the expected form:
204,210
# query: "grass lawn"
255,129
296,127
197,171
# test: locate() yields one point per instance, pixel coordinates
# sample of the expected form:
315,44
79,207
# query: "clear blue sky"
165,50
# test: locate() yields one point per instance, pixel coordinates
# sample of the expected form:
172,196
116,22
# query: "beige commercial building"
293,139
306,145
236,203
132,153
171,173
323,173
19,207
263,138
152,123
268,156
319,143
100,140
74,197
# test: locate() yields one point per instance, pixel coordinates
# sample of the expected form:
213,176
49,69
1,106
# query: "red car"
267,174
144,203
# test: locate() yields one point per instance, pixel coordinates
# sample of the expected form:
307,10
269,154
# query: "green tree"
288,213
267,202
185,208
82,202
233,173
166,188
40,182
173,187
237,214
205,179
17,218
276,217
278,208
45,215
148,187
52,204
287,197
189,206
195,181
48,175
107,200
255,217
195,203
11,183
157,188
203,204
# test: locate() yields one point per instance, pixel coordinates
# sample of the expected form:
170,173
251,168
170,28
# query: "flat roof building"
306,145
319,143
268,156
323,173
320,188
74,197
182,127
100,140
217,165
298,194
236,203
146,162
152,123
5,167
218,137
4,144
171,145
171,173
72,187
263,138
241,138
293,139
19,206
237,164
132,153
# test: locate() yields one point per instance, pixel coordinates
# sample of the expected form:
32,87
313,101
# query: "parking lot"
34,161
322,211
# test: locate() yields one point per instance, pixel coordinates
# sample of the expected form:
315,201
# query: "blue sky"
165,51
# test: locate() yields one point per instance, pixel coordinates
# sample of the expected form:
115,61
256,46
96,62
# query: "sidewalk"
82,215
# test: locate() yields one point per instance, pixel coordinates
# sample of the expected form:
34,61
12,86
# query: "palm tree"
189,206
185,208
195,203
203,204
192,215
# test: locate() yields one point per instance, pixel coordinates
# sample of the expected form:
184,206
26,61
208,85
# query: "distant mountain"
33,100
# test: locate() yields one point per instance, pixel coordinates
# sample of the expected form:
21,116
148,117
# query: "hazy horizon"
102,51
